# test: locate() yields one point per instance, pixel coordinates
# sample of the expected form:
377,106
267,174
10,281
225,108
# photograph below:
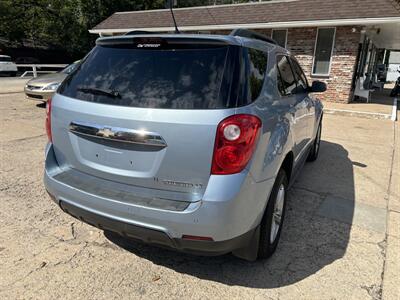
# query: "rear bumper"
228,216
156,237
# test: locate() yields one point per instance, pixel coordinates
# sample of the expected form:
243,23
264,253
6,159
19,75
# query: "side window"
280,36
257,69
301,79
323,51
286,80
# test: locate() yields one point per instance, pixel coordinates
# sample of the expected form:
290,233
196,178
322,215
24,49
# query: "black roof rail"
252,35
139,32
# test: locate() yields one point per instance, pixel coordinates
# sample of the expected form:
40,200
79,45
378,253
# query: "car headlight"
52,87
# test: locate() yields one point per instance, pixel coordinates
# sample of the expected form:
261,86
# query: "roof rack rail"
253,35
139,32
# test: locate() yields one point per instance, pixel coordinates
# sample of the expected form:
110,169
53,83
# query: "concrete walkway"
379,107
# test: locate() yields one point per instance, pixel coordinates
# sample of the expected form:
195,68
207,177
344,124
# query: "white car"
7,67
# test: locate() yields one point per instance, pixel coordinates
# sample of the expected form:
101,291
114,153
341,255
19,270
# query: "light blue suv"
185,141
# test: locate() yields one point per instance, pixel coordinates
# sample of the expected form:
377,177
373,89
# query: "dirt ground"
337,243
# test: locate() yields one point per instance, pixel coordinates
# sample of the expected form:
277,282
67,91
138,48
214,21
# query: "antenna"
173,16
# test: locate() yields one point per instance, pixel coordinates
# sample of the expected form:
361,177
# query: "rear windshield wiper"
98,91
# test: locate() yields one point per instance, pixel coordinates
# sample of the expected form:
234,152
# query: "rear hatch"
144,111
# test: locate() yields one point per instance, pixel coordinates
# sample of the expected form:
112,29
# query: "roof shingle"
268,12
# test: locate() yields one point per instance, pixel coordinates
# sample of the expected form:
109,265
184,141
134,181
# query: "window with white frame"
323,51
280,36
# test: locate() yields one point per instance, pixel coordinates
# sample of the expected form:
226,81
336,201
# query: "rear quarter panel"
275,139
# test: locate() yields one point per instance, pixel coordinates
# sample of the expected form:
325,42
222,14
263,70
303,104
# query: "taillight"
234,143
48,120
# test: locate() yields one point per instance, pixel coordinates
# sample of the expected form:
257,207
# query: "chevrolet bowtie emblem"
106,132
117,134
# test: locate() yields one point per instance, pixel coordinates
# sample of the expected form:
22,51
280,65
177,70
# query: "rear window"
176,78
5,58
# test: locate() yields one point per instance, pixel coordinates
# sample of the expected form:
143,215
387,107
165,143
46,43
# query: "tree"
64,24
61,24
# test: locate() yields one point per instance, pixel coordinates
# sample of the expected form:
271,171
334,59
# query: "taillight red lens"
48,120
234,143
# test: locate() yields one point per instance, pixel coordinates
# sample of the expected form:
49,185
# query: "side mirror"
318,87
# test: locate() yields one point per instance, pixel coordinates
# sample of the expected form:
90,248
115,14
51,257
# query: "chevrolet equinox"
185,141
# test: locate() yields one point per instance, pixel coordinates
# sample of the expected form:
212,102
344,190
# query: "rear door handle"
117,134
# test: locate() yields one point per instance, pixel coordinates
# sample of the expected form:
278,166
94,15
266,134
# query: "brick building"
336,41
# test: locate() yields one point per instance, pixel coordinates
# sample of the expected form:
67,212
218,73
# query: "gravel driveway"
333,244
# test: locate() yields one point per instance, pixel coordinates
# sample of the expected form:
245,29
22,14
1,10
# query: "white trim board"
289,24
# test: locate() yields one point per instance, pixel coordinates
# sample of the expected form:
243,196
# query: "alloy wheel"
277,213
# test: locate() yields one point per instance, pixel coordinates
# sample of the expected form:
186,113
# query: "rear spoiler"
252,35
180,39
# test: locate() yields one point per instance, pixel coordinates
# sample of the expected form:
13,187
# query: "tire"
13,74
313,155
269,240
